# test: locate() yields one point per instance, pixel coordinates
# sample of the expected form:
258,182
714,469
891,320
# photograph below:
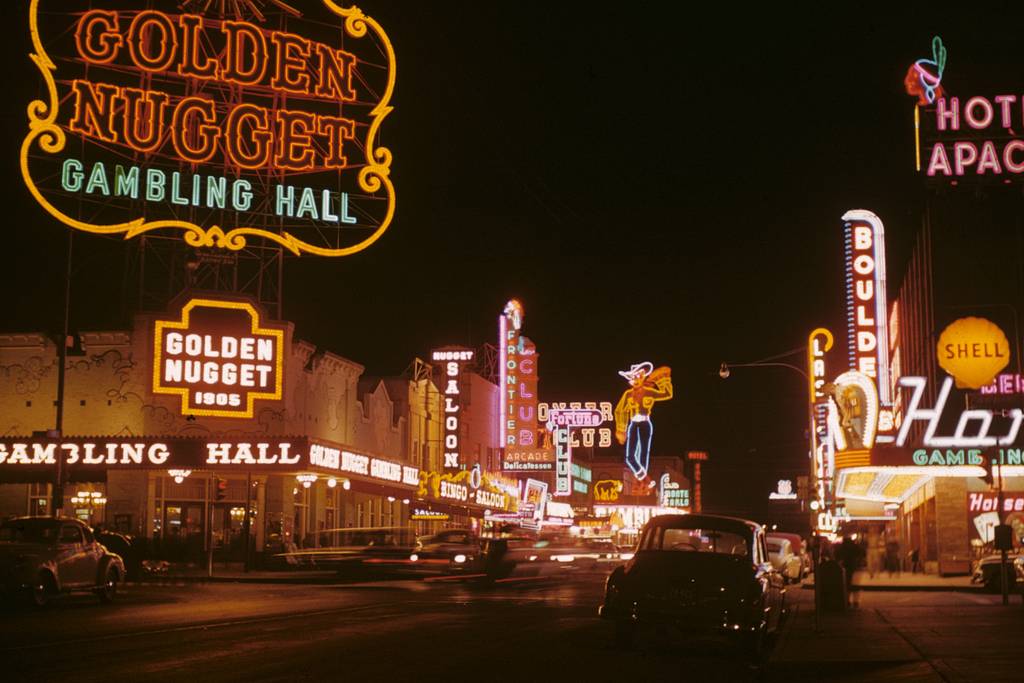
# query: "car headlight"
626,556
414,557
459,559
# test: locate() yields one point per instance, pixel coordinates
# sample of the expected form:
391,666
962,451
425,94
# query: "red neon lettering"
184,115
257,121
295,142
143,118
335,74
337,131
94,110
244,39
290,67
97,38
191,25
139,35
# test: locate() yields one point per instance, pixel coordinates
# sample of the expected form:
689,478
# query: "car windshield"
694,540
774,547
28,531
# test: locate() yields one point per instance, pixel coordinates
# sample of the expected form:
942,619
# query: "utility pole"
57,499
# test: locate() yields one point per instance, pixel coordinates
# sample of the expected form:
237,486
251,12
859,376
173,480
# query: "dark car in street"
701,575
42,557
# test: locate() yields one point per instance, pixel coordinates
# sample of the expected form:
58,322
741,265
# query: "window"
695,540
70,534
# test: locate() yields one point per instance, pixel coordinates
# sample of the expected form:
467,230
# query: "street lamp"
812,377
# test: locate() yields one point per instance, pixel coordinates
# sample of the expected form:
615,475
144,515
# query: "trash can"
831,581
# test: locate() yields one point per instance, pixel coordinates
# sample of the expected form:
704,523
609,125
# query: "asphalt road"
443,631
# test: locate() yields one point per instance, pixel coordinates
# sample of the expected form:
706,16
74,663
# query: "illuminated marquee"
179,120
218,358
593,434
453,360
84,456
518,380
866,313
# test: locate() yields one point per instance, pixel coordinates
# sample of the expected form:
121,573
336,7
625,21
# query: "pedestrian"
849,555
915,560
892,558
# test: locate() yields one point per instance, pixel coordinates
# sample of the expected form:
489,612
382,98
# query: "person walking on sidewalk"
892,558
849,556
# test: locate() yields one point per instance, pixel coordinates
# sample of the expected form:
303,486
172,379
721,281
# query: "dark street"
432,631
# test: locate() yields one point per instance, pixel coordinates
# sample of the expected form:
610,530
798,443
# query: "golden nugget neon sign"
218,358
158,98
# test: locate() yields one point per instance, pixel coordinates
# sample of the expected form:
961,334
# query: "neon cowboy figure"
633,425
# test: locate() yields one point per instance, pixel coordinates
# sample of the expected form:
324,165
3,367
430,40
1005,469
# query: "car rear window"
694,540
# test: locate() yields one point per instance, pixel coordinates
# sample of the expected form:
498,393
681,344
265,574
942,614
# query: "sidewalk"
857,645
905,581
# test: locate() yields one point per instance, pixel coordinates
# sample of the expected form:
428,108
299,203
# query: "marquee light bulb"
332,482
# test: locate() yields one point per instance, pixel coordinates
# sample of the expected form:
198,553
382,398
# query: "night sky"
654,182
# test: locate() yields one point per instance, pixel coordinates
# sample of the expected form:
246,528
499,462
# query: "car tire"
108,591
42,590
624,634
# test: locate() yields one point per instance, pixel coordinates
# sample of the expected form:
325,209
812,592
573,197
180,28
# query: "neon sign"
866,315
853,411
977,438
528,460
518,380
146,146
783,491
218,358
819,342
974,137
608,490
454,362
924,77
973,351
596,434
563,459
633,425
1005,385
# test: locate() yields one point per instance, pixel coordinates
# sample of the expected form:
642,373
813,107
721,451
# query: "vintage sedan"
699,574
42,557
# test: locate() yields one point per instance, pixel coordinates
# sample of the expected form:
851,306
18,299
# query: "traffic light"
221,487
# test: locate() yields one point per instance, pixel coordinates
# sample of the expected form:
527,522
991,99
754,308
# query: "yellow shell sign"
973,351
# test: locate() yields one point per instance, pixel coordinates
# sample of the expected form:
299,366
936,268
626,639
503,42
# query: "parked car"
799,547
42,557
452,551
702,574
987,571
782,557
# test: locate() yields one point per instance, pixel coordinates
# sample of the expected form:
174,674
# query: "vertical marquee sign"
453,361
867,315
225,123
819,342
219,357
518,381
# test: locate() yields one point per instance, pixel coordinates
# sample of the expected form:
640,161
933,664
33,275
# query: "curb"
914,588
